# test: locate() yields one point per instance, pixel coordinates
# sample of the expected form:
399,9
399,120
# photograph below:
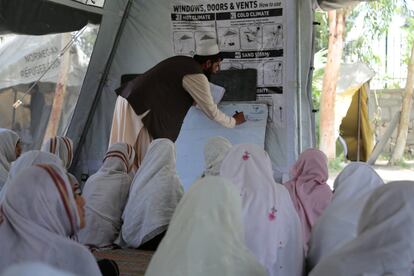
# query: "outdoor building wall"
384,104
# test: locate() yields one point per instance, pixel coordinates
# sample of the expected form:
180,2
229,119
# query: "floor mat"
131,262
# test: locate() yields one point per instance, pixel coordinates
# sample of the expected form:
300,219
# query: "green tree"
401,142
87,40
376,17
336,23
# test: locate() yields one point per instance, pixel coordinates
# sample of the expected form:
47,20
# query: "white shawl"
8,142
205,236
39,213
215,150
34,269
29,159
106,193
62,147
338,224
154,194
272,226
385,237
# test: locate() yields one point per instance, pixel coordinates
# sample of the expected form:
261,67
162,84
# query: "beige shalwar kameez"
127,126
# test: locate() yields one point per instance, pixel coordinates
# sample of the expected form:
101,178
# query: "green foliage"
402,164
336,165
393,85
87,40
409,28
378,16
360,50
321,46
319,65
321,31
367,22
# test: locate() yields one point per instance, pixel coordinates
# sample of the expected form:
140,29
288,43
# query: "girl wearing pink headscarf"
308,189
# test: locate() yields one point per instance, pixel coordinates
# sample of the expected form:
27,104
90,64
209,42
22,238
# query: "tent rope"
61,53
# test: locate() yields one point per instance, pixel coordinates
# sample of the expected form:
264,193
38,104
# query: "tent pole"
102,83
359,126
299,79
14,109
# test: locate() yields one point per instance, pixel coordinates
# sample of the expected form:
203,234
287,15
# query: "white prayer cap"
207,49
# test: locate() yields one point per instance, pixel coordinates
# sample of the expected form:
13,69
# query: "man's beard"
207,73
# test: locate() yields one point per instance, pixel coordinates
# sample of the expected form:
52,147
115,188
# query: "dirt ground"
388,173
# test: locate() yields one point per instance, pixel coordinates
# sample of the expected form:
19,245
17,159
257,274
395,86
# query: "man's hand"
239,117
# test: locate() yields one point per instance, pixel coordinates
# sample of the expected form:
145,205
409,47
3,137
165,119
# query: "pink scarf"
308,189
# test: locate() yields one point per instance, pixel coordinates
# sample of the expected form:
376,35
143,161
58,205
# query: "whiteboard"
198,128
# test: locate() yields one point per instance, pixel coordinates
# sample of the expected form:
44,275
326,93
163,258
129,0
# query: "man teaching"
154,104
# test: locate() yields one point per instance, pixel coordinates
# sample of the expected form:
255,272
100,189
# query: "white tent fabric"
146,40
25,58
96,141
353,76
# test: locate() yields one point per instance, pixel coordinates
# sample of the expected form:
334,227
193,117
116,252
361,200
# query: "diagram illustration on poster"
226,65
204,38
273,36
184,43
273,73
251,38
250,34
229,39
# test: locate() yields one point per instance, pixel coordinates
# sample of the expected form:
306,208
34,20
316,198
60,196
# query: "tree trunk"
398,152
327,103
60,91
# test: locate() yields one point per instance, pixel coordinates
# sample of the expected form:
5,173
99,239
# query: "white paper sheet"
197,129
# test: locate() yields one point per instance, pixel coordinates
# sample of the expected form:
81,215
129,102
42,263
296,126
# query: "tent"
351,114
135,35
356,129
24,58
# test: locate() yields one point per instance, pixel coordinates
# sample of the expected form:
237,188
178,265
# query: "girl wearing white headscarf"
215,150
29,159
338,224
62,147
34,269
154,194
106,193
39,214
205,236
272,226
385,239
9,151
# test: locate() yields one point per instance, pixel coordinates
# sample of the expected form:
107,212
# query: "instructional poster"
250,34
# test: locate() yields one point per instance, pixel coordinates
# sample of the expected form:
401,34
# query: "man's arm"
198,87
